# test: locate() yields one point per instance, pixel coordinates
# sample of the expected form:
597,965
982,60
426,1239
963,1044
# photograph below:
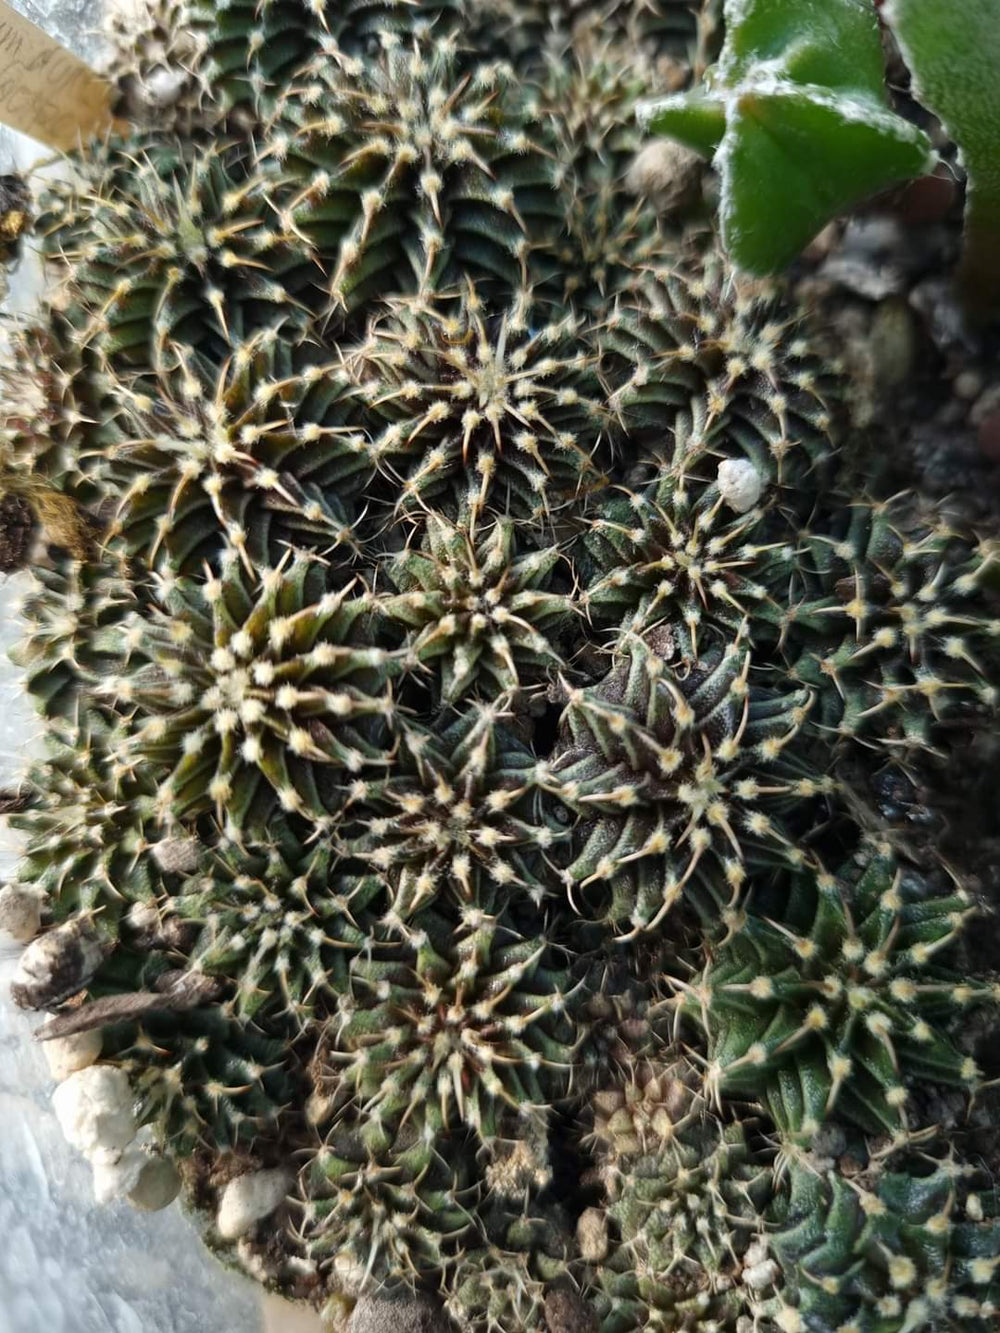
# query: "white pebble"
116,1177
94,1110
65,1055
20,913
761,1275
164,86
740,484
247,1199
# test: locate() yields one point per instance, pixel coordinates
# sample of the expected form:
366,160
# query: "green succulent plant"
72,622
89,826
456,612
483,612
389,1215
203,1079
909,640
685,1198
462,1029
248,683
157,245
258,454
722,371
406,169
676,768
282,920
917,1247
501,411
461,817
840,1005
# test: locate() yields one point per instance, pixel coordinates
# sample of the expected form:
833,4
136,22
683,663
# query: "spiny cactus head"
203,1079
90,826
685,1195
280,919
706,368
410,168
389,1215
663,553
72,619
675,767
482,411
249,684
893,623
460,818
159,245
840,1006
258,454
483,608
895,1249
472,1029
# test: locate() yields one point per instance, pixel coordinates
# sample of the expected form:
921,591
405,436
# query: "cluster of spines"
383,479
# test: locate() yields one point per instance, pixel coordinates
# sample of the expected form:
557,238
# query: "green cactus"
386,1215
405,169
461,818
202,1079
479,610
894,1249
721,369
895,597
457,613
685,1198
157,245
259,455
676,766
247,684
838,1006
463,1029
483,411
72,620
282,920
90,827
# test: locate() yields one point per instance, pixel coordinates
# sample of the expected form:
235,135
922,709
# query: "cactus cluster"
462,647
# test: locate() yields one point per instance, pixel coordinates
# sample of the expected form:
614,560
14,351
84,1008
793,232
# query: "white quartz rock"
247,1199
740,484
20,913
115,1178
65,1055
94,1108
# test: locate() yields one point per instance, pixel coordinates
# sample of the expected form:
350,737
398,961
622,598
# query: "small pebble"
379,1314
740,484
592,1235
66,1055
248,1198
968,384
157,1187
115,1177
55,966
94,1108
666,173
20,913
